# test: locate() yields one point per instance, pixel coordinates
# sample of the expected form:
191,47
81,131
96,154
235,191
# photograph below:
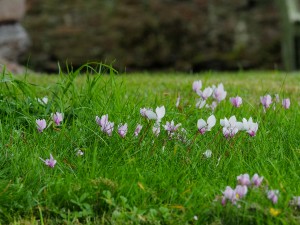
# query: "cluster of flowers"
230,127
266,102
42,124
217,92
241,190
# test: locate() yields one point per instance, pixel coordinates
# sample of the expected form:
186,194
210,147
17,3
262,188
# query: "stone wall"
14,40
154,34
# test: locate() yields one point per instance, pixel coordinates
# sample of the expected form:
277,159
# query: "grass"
149,179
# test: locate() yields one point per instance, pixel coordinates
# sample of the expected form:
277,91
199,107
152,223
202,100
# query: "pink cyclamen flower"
49,162
204,126
250,127
229,194
266,101
206,93
241,191
143,112
256,180
171,127
219,93
41,125
157,115
273,195
197,85
286,103
106,126
237,101
243,179
231,126
122,130
138,129
57,118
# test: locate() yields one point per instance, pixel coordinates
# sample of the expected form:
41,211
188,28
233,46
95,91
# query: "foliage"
149,179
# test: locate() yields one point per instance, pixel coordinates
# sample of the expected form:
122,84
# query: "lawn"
104,176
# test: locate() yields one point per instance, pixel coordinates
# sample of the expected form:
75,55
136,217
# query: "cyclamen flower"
171,128
256,180
230,127
197,85
244,179
273,195
57,118
286,103
143,112
229,194
149,114
266,101
138,129
206,126
219,93
160,113
41,125
241,191
106,126
237,101
122,130
207,92
250,127
49,162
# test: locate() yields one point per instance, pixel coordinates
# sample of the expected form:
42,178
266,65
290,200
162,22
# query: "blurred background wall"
185,35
